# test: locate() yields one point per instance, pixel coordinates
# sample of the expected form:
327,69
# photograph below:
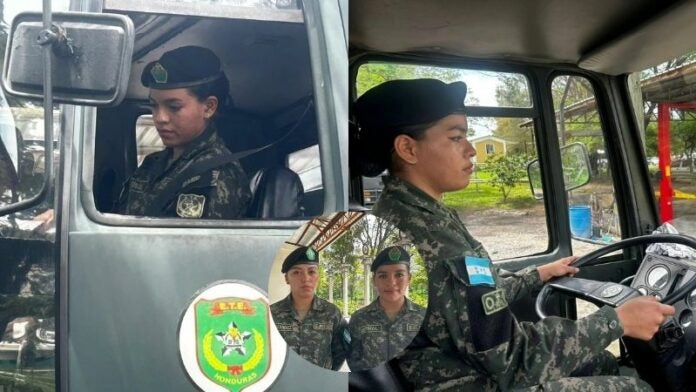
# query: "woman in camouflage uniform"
313,327
470,339
196,176
382,329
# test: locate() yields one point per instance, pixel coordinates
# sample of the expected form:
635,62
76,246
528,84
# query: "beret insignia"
159,73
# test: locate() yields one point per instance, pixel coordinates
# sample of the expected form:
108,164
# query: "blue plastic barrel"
581,221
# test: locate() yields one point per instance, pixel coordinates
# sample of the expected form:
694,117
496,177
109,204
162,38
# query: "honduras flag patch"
479,271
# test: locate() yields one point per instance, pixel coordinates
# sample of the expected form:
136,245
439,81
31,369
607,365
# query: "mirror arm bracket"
58,38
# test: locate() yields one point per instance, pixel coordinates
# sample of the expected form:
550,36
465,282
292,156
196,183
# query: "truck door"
123,289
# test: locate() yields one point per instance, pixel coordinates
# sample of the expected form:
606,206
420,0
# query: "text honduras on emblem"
226,341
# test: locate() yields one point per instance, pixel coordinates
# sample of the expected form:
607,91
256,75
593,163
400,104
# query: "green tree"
513,91
364,239
418,289
373,74
684,140
506,171
339,254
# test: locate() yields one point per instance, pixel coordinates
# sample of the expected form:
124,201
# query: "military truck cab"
541,77
91,299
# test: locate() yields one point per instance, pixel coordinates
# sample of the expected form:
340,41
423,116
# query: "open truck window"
502,130
270,118
664,104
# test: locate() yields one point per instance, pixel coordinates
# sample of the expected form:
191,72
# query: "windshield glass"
665,108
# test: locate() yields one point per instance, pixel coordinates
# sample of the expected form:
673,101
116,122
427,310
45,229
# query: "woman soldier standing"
471,341
382,329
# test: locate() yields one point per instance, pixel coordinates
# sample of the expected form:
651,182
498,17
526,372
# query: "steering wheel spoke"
668,360
607,293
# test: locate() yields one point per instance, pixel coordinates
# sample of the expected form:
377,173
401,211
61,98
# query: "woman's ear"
211,105
405,148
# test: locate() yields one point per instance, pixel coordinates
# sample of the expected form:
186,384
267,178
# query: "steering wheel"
668,359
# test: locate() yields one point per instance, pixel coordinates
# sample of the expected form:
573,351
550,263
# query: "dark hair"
218,88
372,151
416,132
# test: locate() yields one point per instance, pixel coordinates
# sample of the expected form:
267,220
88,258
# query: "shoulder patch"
190,205
479,271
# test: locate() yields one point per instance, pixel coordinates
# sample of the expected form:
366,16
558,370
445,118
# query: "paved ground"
511,233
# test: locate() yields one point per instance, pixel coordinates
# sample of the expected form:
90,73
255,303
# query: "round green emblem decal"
226,341
311,255
394,254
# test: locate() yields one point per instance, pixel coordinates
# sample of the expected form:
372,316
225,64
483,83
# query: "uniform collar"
410,194
201,141
163,158
317,303
376,307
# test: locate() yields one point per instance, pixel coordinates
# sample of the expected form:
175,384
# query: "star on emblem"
233,340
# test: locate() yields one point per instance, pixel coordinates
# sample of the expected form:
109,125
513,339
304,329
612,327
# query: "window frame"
330,137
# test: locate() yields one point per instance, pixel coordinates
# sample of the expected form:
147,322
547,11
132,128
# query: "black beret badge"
394,254
311,254
159,73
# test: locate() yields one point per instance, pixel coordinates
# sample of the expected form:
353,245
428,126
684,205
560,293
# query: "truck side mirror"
576,169
91,57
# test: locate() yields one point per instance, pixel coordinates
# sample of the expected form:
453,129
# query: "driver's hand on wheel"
558,268
641,317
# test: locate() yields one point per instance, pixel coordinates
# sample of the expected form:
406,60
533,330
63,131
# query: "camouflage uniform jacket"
319,337
374,339
217,192
463,344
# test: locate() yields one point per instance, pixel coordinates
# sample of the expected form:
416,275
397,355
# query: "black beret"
301,255
391,255
182,67
383,111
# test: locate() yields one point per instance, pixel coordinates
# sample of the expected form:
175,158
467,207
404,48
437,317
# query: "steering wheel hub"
612,291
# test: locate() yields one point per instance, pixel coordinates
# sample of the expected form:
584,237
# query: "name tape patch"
494,301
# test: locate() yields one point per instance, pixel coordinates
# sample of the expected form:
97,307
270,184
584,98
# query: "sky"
13,7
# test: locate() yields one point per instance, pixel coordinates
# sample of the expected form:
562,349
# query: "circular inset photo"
348,291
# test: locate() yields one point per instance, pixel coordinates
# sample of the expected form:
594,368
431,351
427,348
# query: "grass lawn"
483,196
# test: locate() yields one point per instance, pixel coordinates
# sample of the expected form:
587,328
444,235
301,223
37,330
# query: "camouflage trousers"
596,383
600,373
569,384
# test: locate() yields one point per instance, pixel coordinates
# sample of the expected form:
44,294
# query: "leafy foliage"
346,256
506,171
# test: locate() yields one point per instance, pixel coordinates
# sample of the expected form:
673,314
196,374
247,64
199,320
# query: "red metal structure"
664,156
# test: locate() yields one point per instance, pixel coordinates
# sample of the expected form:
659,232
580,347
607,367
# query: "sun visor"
666,36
